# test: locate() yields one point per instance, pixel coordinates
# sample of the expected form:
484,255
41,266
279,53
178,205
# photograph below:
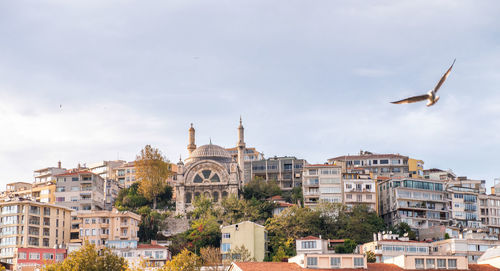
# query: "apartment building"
321,182
380,165
286,171
463,195
359,189
248,234
469,244
125,174
29,224
18,190
80,190
250,154
103,227
29,259
330,261
386,246
419,203
48,174
147,257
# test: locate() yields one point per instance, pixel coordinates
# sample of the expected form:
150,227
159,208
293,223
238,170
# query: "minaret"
241,146
191,146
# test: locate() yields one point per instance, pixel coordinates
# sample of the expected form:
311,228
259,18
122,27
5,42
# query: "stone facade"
209,171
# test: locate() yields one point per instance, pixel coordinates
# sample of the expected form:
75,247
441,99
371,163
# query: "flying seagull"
431,95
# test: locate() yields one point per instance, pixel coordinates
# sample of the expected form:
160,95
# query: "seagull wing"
413,99
443,78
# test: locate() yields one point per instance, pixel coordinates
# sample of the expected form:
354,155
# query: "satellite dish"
390,232
405,234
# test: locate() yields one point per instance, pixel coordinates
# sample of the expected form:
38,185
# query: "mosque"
210,171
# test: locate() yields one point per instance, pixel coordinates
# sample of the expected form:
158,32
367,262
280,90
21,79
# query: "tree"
347,248
371,257
203,207
212,259
150,223
204,232
2,268
129,199
280,255
236,210
184,261
240,254
403,228
446,236
88,258
259,189
152,170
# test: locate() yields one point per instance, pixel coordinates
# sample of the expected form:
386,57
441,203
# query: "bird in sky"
431,95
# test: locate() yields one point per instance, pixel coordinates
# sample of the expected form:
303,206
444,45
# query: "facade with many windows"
419,203
322,182
359,189
103,227
31,224
286,171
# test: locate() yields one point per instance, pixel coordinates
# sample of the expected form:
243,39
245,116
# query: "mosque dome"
212,152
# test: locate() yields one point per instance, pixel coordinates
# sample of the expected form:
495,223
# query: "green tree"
403,228
347,248
150,224
152,170
88,258
203,232
446,236
130,198
184,261
294,222
236,210
370,257
203,207
279,255
259,189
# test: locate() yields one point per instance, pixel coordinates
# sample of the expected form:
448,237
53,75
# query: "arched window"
215,196
206,194
215,178
197,179
196,195
188,197
224,194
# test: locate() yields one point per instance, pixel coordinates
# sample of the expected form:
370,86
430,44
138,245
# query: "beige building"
322,182
250,154
109,228
386,246
44,191
469,244
18,190
412,262
31,224
248,234
330,261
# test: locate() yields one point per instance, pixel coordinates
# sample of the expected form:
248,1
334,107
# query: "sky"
87,81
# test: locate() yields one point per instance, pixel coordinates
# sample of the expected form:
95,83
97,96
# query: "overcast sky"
86,81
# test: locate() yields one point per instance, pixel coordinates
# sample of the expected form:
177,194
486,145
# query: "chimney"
59,164
374,237
154,242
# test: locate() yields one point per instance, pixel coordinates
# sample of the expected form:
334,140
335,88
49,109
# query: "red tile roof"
268,266
280,266
277,197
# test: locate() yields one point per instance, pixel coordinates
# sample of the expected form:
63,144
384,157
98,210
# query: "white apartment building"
322,182
359,189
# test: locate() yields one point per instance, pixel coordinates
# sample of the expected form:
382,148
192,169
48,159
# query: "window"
226,235
48,256
359,262
452,263
21,256
419,263
430,263
349,196
335,262
441,263
34,256
384,162
308,244
368,197
226,247
312,261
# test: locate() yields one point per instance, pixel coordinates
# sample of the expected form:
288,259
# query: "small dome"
210,151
